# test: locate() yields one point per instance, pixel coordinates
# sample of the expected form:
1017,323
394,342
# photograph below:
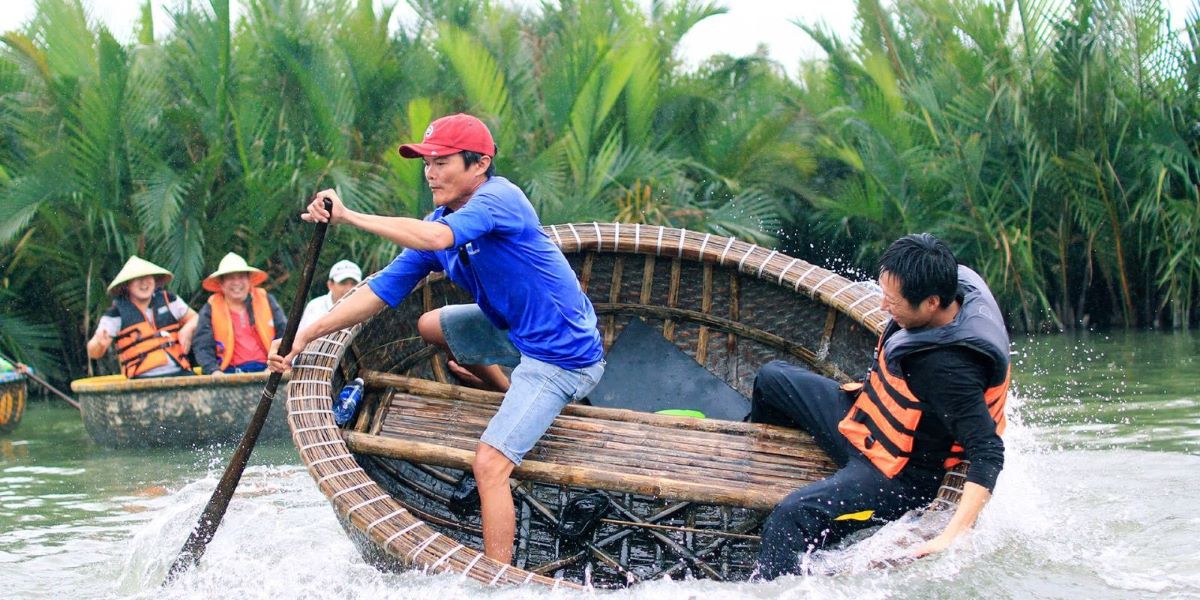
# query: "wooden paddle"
198,541
29,373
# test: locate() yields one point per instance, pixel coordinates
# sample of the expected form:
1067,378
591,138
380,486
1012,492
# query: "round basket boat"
13,391
177,412
685,496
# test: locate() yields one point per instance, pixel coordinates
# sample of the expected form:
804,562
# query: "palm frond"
1038,19
24,339
482,81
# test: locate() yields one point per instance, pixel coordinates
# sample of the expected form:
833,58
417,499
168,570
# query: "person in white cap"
152,327
343,276
239,321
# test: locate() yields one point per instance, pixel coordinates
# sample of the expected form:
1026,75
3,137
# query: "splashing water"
1093,502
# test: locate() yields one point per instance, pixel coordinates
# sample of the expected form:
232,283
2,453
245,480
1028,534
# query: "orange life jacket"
883,421
142,346
222,323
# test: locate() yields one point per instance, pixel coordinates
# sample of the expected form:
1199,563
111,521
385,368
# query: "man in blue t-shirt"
529,312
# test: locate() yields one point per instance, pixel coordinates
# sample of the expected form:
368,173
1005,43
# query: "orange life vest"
883,421
222,323
141,345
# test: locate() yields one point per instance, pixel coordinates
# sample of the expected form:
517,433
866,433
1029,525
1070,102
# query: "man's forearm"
190,321
95,349
204,346
404,231
353,309
974,498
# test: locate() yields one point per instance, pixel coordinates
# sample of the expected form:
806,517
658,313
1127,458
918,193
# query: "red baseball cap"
451,135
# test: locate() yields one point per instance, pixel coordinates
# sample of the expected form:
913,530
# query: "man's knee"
491,467
770,394
429,326
801,514
771,375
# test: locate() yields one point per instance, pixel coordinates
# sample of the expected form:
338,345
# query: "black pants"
858,495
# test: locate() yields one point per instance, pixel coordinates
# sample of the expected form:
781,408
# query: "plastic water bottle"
347,402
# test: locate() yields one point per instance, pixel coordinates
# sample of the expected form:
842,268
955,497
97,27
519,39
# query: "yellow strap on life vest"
861,515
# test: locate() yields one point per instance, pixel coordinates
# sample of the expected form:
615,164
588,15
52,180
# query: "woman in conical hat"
152,327
239,321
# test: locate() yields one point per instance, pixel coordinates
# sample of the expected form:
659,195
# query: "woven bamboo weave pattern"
181,412
13,390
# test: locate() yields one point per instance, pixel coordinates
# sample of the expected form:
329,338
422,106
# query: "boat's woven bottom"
687,496
641,538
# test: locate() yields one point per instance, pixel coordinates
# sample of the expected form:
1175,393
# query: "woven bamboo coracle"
13,390
688,495
173,412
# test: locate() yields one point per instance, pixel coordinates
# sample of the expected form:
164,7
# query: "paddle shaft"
45,384
210,519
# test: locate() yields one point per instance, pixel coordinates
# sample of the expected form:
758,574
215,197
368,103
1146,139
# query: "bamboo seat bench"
746,465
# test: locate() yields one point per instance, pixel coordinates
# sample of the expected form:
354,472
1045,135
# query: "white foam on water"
45,470
1064,523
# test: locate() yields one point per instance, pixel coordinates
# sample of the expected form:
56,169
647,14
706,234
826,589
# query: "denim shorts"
537,391
472,338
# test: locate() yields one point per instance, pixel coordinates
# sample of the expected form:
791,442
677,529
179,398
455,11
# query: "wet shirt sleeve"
399,278
204,345
951,381
179,309
277,315
484,214
110,324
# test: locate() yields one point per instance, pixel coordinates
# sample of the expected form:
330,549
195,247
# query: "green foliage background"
1055,144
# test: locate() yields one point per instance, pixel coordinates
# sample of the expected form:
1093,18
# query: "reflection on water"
1095,501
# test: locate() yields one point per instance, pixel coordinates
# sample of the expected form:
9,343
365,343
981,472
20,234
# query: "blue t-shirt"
519,278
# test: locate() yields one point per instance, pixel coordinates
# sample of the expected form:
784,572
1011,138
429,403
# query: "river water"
1097,500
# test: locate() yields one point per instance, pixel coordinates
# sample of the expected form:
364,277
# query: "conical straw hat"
232,263
134,268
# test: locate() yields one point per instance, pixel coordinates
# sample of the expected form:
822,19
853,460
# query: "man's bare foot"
466,377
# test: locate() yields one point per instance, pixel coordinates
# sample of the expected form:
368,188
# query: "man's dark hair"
925,267
470,158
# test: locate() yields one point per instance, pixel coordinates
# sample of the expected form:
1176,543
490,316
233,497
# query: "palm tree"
1040,138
